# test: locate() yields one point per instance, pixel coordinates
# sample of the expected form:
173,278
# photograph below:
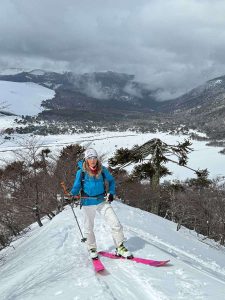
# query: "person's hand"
68,199
110,198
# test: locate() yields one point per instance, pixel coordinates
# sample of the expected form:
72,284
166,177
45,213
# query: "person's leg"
106,210
89,217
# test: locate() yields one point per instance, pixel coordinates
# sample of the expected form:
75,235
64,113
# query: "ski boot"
124,252
93,253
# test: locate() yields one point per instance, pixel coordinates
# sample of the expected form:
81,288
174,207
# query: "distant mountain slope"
203,107
95,95
211,94
99,85
51,263
48,79
23,98
117,97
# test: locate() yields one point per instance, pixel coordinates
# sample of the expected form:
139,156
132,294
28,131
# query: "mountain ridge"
117,97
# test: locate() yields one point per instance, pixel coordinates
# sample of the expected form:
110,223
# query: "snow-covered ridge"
37,72
51,263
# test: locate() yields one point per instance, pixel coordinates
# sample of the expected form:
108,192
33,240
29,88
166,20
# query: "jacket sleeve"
111,181
77,184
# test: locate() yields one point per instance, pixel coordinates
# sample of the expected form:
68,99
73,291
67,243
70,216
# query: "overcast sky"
173,44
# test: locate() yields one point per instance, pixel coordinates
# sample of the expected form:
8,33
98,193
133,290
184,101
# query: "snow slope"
51,262
23,98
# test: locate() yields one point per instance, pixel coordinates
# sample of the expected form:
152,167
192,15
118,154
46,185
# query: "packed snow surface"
23,98
51,263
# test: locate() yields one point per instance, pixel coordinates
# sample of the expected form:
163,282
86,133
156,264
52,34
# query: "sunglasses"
92,158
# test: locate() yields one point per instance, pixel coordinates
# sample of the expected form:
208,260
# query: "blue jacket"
92,186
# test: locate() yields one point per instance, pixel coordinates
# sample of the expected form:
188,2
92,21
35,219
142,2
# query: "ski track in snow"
115,281
187,286
183,256
132,274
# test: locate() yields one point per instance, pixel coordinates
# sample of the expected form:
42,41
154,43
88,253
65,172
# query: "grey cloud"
174,44
132,90
93,88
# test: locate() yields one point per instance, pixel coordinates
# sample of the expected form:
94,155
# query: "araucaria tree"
153,155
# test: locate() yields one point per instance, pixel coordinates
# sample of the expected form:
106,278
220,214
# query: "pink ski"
98,265
150,262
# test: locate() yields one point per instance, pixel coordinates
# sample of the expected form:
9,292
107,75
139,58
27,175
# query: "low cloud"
94,89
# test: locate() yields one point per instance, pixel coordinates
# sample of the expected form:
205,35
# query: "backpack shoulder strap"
82,175
103,174
104,180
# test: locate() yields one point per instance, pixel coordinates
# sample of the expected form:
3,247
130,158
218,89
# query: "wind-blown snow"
51,262
23,98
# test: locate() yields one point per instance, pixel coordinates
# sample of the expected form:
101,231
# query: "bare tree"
31,180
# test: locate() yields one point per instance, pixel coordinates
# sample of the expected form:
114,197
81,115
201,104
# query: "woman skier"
90,181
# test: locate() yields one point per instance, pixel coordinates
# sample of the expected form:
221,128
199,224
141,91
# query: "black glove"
110,198
68,199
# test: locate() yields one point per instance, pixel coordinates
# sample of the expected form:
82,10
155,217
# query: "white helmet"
90,153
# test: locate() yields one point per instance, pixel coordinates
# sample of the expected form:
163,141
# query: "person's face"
92,161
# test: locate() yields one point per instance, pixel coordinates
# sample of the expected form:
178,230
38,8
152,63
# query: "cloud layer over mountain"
175,44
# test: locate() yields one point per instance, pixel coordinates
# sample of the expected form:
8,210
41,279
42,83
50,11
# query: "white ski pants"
106,210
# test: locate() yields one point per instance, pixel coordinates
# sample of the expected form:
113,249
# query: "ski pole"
83,238
68,194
